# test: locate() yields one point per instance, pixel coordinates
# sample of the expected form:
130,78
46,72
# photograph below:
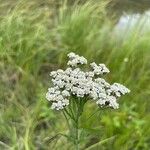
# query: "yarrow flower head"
74,82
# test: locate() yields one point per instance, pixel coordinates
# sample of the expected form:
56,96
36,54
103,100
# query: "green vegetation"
34,39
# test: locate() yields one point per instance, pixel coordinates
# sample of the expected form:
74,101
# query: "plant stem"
73,113
78,114
77,132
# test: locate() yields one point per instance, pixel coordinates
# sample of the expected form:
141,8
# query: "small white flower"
53,74
99,69
104,69
94,95
68,71
80,92
74,60
65,93
89,74
119,89
112,102
71,55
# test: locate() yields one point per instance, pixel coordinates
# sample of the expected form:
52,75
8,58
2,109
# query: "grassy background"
35,37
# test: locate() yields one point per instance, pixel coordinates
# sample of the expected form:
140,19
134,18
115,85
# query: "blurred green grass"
35,37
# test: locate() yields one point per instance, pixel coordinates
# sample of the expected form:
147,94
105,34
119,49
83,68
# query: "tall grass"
24,45
34,40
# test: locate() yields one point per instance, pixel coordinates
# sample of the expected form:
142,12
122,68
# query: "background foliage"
35,37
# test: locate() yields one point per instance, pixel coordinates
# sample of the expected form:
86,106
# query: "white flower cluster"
75,60
75,82
99,69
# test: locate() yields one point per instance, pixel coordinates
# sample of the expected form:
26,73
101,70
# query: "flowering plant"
73,87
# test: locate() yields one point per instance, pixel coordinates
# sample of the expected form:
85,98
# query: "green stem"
74,112
77,129
77,139
67,120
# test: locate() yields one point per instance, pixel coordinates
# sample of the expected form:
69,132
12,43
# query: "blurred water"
129,15
131,20
129,12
